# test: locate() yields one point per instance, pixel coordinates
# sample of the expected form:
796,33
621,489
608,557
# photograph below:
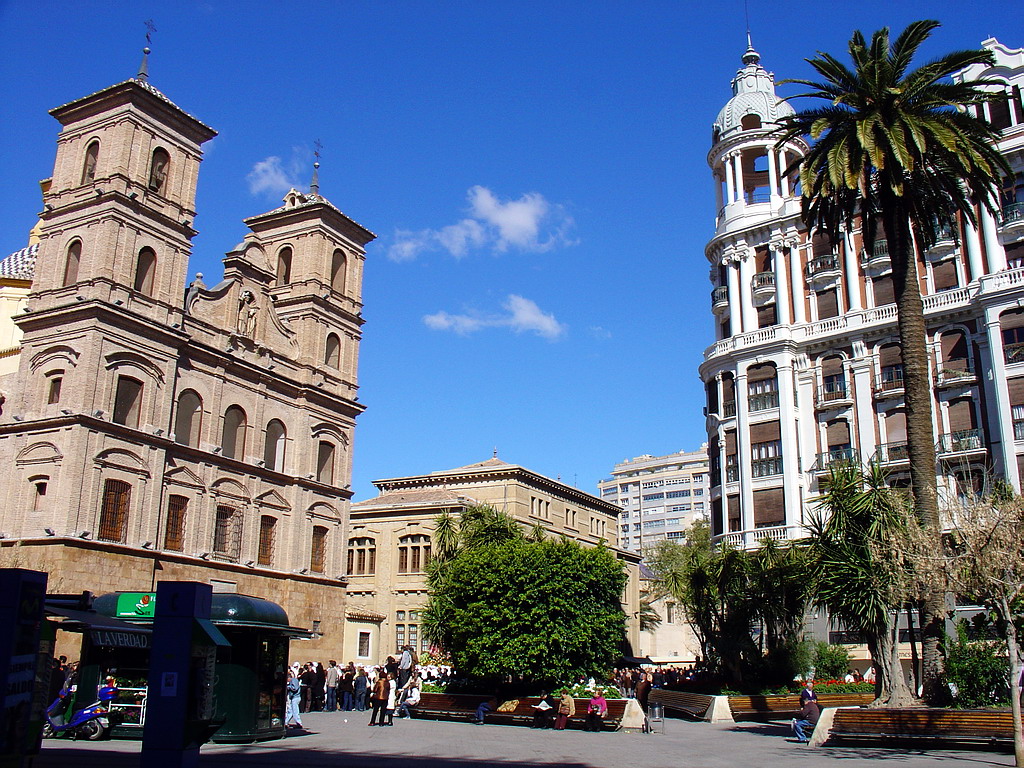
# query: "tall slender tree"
896,149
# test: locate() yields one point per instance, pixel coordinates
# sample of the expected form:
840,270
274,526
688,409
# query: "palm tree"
859,567
895,148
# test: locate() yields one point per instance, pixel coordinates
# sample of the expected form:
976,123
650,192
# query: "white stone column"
730,179
743,457
796,284
718,191
972,243
790,439
864,408
773,175
1000,415
737,165
781,284
993,249
783,179
851,274
735,313
746,291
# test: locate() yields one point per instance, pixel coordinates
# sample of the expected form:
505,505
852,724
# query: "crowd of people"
383,689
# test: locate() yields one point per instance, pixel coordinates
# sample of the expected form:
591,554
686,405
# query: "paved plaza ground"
426,743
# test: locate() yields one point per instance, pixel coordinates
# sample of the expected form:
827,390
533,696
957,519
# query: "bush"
433,688
831,662
581,691
976,670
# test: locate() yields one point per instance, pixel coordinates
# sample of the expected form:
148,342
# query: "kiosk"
249,676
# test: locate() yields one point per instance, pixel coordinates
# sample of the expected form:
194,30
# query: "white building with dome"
806,366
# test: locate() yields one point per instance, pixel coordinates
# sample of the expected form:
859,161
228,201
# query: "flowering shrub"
581,691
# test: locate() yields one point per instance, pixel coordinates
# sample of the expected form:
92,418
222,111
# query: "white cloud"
530,224
521,315
274,176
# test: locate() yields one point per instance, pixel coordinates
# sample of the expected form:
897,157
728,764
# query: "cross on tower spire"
143,73
314,185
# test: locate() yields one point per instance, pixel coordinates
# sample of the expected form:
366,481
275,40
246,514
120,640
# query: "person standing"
405,663
293,693
566,709
361,689
392,702
379,699
643,691
333,677
346,688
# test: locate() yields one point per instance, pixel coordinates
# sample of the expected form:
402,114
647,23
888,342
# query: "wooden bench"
693,704
919,724
786,706
460,706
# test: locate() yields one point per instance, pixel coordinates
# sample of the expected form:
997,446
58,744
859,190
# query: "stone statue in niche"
247,310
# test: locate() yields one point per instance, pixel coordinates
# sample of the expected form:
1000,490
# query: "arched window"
273,446
325,462
145,270
332,351
188,419
750,122
233,439
92,157
127,401
339,266
284,266
159,167
71,262
362,556
413,553
318,550
114,512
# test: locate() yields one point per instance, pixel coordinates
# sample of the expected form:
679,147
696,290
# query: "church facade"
155,432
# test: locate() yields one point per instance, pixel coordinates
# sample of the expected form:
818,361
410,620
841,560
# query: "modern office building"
806,367
391,538
660,496
155,428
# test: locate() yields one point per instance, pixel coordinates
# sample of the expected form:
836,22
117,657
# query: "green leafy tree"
894,150
859,565
831,662
506,607
977,669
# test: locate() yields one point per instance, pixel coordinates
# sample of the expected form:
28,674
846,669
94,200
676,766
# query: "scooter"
90,722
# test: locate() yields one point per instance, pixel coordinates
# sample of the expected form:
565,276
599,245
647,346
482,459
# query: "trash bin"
655,718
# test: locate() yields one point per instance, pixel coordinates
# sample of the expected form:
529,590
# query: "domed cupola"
754,103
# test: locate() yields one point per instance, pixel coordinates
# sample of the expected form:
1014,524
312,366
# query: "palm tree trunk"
920,432
890,683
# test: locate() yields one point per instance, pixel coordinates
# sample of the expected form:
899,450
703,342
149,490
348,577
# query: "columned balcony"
1012,216
754,536
822,268
728,409
833,395
766,467
945,243
763,286
877,258
955,373
763,401
720,299
963,442
892,453
1013,353
889,384
836,457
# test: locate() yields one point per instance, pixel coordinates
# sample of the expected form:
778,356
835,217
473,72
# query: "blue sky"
536,173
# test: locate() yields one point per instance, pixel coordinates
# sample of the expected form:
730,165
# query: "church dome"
754,96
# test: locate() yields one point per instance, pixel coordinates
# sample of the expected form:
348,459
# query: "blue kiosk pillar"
179,705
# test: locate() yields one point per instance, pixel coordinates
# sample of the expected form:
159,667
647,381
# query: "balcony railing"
1018,430
729,408
954,372
763,401
766,467
732,474
964,441
838,456
890,453
833,392
720,295
757,196
891,381
764,280
821,265
1012,212
1013,353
